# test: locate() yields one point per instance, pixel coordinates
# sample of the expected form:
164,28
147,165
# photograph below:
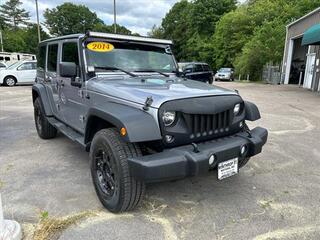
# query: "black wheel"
44,128
244,161
10,81
116,189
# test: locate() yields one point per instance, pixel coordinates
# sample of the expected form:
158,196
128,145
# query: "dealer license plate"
227,168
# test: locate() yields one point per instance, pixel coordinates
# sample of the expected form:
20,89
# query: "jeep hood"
161,89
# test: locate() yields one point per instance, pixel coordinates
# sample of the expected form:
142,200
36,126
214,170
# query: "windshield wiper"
149,70
115,68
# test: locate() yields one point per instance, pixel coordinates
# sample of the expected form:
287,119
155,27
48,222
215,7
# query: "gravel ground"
276,196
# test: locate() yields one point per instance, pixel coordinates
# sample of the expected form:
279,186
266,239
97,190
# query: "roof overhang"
312,36
129,38
303,17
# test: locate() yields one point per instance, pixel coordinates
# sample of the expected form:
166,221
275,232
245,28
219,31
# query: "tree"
254,34
30,36
176,27
156,32
70,18
13,14
233,31
205,14
101,27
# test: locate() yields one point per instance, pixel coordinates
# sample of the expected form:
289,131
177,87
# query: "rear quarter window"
41,57
206,68
52,58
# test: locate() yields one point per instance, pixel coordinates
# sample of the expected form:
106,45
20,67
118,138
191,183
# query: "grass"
50,227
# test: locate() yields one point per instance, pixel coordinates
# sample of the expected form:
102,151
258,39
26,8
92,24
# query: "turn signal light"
123,132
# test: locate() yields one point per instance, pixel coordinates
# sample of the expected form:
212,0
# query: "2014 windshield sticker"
100,46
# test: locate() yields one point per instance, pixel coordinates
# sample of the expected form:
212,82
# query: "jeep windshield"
132,57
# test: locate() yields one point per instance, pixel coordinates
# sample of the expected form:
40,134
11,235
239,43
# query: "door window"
70,54
188,68
52,58
42,57
198,68
27,66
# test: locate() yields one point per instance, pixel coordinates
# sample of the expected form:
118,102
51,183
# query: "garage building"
301,64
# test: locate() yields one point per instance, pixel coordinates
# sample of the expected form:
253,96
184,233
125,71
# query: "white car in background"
19,72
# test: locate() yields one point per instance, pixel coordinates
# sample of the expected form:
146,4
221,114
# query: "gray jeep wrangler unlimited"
123,99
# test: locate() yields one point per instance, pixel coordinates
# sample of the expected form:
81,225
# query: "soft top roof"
112,36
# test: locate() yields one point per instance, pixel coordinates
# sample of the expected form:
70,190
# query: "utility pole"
114,16
39,37
1,41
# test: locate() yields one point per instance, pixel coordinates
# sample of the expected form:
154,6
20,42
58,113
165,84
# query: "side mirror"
68,69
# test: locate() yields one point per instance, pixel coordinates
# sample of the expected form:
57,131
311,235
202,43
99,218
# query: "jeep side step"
67,131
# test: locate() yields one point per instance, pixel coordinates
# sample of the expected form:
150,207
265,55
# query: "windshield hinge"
147,103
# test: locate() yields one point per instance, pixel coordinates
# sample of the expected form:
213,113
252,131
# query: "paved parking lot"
276,196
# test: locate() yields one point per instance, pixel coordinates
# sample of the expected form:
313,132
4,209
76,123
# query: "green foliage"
44,215
205,14
246,36
232,32
22,39
254,34
156,32
101,27
70,18
190,25
12,14
265,46
176,26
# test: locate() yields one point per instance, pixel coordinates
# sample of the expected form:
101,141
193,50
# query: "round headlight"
168,118
236,109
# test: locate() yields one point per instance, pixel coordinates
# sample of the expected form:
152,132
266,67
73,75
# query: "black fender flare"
140,125
40,90
252,111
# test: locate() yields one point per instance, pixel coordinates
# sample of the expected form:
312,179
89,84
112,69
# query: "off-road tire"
44,128
9,81
244,161
128,191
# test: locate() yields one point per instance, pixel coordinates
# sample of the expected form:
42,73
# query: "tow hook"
249,133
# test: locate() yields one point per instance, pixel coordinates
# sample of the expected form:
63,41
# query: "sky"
137,15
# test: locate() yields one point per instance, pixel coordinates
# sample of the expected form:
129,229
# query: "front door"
73,102
308,76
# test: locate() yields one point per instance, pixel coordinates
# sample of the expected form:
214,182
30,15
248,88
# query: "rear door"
207,73
53,86
199,73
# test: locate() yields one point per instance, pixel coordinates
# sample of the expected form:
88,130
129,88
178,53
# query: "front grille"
202,125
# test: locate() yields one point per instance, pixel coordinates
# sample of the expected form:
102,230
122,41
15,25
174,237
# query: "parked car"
224,74
121,99
3,65
197,71
18,73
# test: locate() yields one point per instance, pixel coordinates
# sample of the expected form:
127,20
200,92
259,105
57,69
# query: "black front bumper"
184,161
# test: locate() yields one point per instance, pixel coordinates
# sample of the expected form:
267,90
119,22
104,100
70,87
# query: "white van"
11,57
